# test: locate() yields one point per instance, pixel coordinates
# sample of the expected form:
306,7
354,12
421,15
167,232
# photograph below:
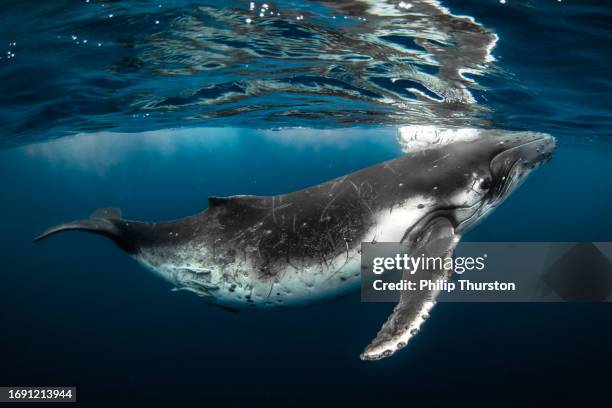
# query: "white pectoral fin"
437,239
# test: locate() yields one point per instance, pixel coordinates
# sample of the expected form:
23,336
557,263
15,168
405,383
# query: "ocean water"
154,106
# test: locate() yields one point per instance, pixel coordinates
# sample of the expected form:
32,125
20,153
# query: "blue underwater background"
156,119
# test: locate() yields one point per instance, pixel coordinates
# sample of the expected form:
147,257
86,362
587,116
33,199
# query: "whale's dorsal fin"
214,201
437,239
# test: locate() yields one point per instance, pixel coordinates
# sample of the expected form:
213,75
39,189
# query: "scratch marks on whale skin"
329,203
273,210
337,182
387,166
196,270
447,155
367,196
283,206
284,246
287,235
200,284
354,186
263,264
276,206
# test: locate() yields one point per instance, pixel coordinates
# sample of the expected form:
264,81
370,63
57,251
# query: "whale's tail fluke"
103,221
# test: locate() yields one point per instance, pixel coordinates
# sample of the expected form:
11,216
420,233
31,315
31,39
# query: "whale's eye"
485,183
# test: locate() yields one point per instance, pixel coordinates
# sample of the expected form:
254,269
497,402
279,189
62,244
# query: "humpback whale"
303,246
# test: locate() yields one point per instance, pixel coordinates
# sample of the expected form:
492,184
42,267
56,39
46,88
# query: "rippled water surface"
84,66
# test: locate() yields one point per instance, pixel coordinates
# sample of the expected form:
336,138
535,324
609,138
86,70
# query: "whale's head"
462,180
479,174
513,160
